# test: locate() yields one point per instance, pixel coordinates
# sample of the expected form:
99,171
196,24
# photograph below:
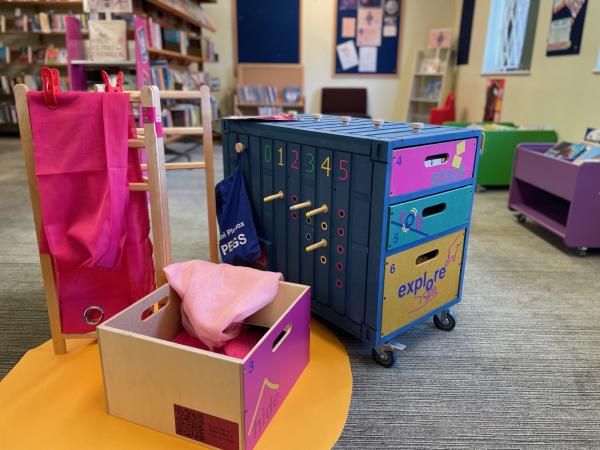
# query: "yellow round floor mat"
57,402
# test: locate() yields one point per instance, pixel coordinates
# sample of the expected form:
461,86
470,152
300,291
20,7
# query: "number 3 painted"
344,170
311,163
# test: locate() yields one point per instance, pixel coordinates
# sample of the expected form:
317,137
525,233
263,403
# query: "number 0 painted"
268,153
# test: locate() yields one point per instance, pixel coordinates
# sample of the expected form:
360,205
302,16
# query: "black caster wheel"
480,188
385,359
446,324
521,218
581,251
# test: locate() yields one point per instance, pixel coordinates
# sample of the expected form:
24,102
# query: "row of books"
269,110
190,8
187,114
431,90
44,22
171,78
268,95
184,42
33,82
29,55
575,152
8,113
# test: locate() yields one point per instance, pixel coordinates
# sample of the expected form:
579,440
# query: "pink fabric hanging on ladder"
94,227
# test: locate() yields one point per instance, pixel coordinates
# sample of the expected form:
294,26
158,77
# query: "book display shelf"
165,45
269,89
561,196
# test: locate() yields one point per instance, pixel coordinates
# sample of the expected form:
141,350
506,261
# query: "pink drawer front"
433,165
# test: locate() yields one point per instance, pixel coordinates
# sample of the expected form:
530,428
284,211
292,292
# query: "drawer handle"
272,197
427,256
435,209
305,204
239,147
319,210
316,245
436,160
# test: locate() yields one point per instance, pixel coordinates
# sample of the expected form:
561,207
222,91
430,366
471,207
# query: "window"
510,35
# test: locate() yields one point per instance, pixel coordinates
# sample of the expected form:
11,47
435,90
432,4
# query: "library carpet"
522,367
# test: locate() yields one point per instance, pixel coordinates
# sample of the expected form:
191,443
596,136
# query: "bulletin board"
367,37
267,31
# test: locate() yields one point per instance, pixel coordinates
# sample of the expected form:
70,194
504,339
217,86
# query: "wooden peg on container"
377,123
305,204
345,120
317,116
416,126
239,148
319,210
316,245
272,197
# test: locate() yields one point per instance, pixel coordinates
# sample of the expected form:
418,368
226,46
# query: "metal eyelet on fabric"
93,315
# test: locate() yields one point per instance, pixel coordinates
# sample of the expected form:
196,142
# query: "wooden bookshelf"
175,55
181,14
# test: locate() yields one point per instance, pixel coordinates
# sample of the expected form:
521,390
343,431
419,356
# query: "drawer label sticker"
206,428
421,279
428,166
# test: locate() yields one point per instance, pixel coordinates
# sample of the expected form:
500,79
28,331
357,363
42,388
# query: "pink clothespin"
50,85
118,87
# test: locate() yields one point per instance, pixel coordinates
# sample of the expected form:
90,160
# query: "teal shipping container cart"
498,152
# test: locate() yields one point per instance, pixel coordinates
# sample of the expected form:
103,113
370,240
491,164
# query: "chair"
344,102
446,113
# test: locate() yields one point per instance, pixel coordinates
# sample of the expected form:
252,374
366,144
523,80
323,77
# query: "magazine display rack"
560,195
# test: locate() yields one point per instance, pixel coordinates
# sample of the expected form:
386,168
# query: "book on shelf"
171,78
291,95
591,153
432,90
269,110
43,22
258,94
566,150
108,40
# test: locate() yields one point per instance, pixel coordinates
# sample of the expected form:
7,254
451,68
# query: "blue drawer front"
415,220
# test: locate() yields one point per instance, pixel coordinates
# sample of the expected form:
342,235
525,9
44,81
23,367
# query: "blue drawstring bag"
238,241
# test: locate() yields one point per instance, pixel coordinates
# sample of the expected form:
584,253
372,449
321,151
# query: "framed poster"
566,27
367,37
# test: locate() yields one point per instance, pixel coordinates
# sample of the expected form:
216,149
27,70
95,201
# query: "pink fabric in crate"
94,228
238,347
216,298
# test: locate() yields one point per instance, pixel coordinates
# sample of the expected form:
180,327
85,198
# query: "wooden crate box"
205,397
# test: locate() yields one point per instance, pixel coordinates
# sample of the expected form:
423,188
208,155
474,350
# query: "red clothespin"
118,87
50,85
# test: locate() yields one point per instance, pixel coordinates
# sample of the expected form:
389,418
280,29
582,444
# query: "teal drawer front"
415,220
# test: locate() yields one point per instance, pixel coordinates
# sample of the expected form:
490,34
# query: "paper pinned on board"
347,54
348,27
367,59
389,27
369,27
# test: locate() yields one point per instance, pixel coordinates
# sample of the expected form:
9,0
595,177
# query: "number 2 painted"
296,154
